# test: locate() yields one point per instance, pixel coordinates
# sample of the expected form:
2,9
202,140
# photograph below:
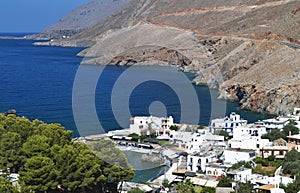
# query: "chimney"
290,133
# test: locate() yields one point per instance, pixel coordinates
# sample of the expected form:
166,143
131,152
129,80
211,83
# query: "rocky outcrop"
152,158
149,43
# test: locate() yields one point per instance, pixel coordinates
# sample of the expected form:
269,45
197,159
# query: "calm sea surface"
38,83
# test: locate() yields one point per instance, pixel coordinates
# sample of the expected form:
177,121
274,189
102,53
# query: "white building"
248,142
144,125
215,170
296,112
255,129
241,175
228,123
276,123
202,138
274,180
181,138
198,162
277,151
236,155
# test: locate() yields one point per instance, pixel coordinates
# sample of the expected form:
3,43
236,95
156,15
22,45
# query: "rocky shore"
248,50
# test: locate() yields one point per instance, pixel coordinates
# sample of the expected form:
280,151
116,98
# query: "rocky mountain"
248,49
82,18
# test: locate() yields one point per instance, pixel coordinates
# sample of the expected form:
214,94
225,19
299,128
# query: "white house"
255,129
181,138
198,162
277,151
203,136
228,123
274,180
160,125
215,170
241,175
235,155
276,123
248,142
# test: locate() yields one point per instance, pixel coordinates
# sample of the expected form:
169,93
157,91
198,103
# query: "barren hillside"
248,49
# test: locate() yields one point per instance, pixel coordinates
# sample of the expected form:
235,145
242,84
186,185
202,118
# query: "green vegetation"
48,161
165,183
134,136
291,165
222,133
174,127
277,134
185,187
7,187
244,187
198,188
241,164
208,190
163,142
225,181
135,190
266,166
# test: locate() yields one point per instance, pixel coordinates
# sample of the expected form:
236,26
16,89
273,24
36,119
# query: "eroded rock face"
279,100
149,43
151,54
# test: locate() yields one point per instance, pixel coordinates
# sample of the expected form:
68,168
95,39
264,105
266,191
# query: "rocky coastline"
254,63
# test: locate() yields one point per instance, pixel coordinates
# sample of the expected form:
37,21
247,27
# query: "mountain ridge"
246,49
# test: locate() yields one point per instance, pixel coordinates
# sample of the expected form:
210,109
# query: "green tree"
291,162
7,187
39,175
244,187
55,132
225,181
165,183
107,151
222,133
46,158
293,187
10,151
36,145
174,127
134,136
290,128
185,187
208,190
274,134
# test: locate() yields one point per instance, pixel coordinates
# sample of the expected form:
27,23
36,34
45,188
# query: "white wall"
232,156
193,162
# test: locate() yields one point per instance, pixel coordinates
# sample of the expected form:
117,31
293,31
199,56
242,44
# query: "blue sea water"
38,83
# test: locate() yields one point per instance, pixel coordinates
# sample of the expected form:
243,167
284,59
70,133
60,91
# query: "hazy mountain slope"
83,17
248,49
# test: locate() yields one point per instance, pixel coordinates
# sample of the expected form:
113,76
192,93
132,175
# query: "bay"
38,83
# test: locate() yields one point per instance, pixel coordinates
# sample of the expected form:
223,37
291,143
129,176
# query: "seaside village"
229,146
